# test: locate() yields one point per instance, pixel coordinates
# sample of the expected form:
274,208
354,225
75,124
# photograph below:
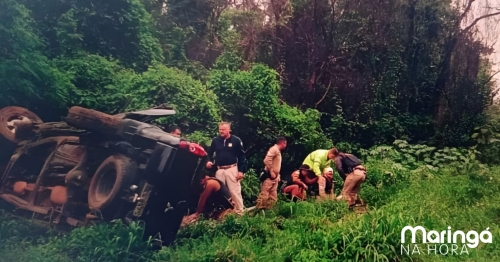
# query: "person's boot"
339,197
332,196
360,202
260,203
271,203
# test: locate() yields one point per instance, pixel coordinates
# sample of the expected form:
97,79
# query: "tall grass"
327,232
464,197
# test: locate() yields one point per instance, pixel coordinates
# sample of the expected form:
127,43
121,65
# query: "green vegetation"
461,194
402,84
363,74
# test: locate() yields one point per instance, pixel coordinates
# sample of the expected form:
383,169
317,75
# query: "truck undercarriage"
97,167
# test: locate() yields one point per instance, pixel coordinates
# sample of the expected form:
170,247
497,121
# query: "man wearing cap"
328,175
319,160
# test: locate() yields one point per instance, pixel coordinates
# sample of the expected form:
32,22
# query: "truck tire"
11,114
114,175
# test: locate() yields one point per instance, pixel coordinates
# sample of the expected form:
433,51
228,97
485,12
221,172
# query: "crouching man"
353,173
318,160
215,201
302,179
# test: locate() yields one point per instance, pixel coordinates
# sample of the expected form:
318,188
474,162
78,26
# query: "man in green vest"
319,160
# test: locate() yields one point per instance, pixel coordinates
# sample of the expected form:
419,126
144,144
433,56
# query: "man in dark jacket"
230,162
353,174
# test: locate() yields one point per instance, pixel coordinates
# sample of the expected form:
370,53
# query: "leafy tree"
195,105
99,83
250,101
27,77
120,29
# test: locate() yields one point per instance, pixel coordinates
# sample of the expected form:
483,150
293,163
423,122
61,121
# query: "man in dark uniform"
230,162
214,202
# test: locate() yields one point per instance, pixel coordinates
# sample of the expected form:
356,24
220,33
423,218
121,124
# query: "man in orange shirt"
302,179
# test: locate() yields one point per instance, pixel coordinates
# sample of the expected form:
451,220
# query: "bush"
250,101
195,105
27,76
99,83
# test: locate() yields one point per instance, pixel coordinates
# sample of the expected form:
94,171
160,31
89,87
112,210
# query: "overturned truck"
97,167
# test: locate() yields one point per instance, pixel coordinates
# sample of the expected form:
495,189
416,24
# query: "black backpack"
351,161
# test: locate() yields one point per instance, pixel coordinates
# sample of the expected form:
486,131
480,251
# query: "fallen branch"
93,120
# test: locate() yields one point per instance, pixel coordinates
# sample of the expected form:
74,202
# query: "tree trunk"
444,75
92,120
